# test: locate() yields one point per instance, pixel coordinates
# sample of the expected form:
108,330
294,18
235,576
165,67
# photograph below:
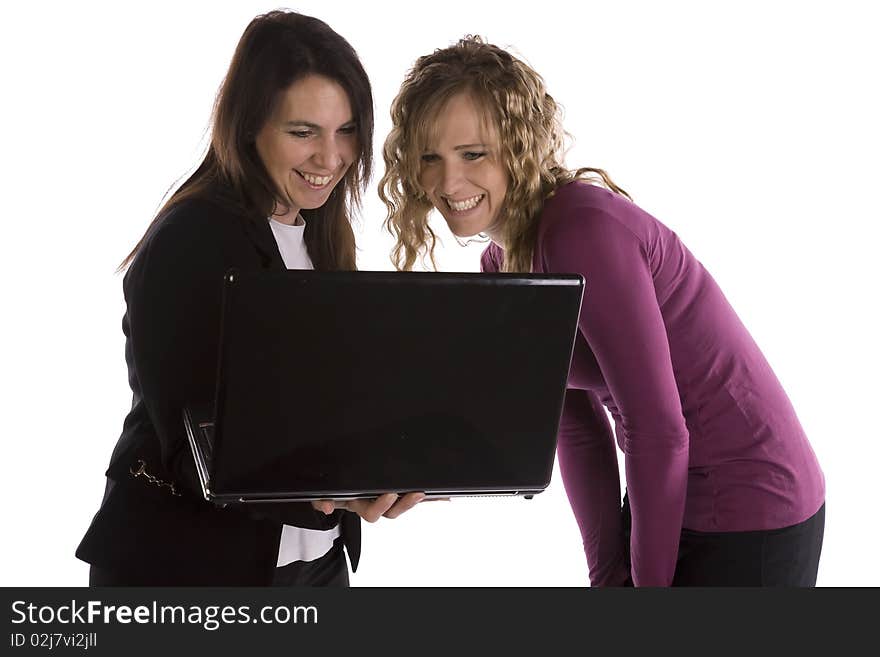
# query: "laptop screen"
344,383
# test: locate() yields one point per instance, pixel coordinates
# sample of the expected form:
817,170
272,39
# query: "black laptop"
343,385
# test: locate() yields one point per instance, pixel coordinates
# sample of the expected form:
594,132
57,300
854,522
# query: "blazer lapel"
260,234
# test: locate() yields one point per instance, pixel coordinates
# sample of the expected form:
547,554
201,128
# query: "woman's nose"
327,155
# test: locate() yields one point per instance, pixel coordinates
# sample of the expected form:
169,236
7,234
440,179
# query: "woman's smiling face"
308,143
461,169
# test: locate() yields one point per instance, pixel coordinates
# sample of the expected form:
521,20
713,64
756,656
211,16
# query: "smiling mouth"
465,204
315,182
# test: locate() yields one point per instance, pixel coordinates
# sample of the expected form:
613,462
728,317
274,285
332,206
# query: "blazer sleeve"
173,293
622,322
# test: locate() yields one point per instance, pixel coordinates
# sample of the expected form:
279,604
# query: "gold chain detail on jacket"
142,472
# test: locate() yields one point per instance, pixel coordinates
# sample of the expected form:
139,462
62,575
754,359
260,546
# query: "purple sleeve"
621,321
490,260
588,464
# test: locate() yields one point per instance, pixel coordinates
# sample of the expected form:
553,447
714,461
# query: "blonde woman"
722,485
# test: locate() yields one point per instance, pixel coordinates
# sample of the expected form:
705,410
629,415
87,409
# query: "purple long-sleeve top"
710,439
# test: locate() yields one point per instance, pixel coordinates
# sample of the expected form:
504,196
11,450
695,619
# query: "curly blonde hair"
514,101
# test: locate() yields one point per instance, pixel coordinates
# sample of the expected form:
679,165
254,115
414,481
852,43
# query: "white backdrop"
751,130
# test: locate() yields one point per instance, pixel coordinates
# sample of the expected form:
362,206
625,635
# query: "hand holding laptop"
389,505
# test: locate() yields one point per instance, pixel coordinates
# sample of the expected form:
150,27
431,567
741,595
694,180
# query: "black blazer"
173,292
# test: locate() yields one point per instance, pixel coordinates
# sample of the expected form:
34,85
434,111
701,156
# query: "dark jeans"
329,570
786,557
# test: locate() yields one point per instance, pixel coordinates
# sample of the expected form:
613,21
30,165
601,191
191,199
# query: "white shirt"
298,543
291,244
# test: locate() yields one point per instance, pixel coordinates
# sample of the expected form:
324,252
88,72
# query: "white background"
751,129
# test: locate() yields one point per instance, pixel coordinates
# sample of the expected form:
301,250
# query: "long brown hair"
513,99
277,49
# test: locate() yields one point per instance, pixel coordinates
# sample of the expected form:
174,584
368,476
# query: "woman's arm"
173,292
622,323
588,464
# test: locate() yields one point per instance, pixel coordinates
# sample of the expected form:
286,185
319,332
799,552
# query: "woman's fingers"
389,505
404,504
372,510
324,506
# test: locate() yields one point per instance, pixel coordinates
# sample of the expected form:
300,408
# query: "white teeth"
317,181
467,204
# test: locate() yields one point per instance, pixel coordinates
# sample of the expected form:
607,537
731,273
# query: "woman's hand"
389,505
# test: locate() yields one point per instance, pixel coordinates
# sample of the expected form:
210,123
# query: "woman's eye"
430,158
302,134
348,130
473,155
